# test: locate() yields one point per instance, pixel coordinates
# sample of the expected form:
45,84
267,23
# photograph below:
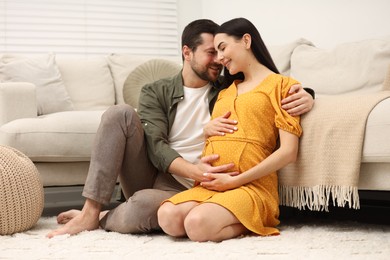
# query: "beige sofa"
357,68
50,105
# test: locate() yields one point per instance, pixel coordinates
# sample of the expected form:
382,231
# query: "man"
159,157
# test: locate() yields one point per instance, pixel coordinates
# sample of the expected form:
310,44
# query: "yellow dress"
259,115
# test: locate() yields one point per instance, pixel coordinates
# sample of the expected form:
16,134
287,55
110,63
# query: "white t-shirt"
186,135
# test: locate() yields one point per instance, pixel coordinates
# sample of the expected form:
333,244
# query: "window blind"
89,26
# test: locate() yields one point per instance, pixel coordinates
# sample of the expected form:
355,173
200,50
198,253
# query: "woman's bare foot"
87,219
65,217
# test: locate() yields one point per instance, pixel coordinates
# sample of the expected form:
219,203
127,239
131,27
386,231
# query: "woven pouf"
21,192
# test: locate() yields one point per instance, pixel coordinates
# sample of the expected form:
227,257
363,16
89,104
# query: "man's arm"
156,126
300,101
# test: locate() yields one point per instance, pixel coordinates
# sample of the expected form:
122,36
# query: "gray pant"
120,151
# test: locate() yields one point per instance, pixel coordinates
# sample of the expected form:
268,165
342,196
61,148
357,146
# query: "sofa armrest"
17,100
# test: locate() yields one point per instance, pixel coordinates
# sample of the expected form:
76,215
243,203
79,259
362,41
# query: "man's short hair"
191,35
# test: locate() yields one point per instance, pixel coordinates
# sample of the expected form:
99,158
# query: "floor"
372,210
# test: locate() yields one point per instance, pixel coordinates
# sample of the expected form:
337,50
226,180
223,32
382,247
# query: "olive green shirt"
157,109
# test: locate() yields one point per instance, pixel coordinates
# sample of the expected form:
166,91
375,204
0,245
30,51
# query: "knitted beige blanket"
330,152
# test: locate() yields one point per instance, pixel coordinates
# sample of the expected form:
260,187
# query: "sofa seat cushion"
376,146
374,176
58,137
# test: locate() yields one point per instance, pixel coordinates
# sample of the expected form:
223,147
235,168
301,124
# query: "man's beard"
204,74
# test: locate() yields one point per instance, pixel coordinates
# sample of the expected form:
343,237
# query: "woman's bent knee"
170,220
196,227
164,216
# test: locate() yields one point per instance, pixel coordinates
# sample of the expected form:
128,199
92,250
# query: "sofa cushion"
43,72
88,81
386,82
146,73
374,176
357,67
121,65
58,137
281,54
376,147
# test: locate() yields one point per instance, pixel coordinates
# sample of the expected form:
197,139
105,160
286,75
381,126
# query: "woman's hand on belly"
206,168
220,182
220,126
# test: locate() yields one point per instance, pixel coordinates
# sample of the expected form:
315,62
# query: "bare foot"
79,223
87,219
65,217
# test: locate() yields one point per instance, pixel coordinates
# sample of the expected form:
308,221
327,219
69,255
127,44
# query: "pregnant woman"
265,139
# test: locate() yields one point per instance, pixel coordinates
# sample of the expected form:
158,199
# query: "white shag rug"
314,240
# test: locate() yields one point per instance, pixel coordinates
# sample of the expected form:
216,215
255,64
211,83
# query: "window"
89,27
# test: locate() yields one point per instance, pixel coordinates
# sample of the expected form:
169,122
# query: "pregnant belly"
243,153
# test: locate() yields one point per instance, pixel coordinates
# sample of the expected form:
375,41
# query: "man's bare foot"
87,219
79,223
65,217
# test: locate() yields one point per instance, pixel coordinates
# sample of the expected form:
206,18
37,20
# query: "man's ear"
247,39
186,51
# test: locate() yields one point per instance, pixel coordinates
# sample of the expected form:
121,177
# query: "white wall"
324,22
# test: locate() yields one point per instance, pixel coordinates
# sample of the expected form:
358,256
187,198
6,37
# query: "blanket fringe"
317,198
